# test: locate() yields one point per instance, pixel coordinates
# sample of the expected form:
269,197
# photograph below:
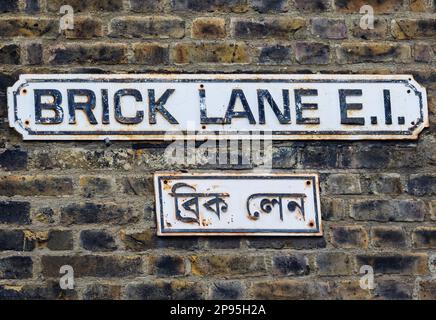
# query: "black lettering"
284,117
204,119
105,104
343,94
388,108
230,113
85,106
118,113
300,107
54,106
158,106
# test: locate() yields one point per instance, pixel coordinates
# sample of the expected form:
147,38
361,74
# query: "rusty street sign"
275,204
184,106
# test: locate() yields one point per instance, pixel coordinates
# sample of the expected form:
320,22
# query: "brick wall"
90,205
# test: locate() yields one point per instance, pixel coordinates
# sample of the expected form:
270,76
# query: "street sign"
275,204
188,106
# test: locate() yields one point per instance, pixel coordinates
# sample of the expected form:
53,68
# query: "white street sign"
237,204
183,106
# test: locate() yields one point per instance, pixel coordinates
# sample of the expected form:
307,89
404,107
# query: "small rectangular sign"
219,106
276,204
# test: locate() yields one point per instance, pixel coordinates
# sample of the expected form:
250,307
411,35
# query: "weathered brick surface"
91,205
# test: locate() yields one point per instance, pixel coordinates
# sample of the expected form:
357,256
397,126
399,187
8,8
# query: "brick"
210,53
236,6
11,240
15,212
422,52
318,157
165,290
37,185
208,28
395,263
85,27
147,27
388,210
349,290
275,54
364,158
312,6
343,184
264,6
422,185
147,6
419,5
145,240
151,54
380,30
92,186
287,265
32,6
16,267
9,54
13,160
312,53
333,264
326,28
373,52
44,215
433,209
223,243
284,157
93,266
85,213
413,28
427,290
396,289
97,240
424,237
167,265
382,184
332,209
227,290
136,185
34,53
104,53
27,27
87,6
298,243
99,291
289,289
379,6
349,237
60,240
269,28
227,265
388,237
44,291
9,6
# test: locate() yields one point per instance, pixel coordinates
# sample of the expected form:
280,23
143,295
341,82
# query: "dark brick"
92,186
16,268
366,157
389,210
99,291
264,6
319,157
85,28
414,28
224,243
220,52
380,30
334,264
373,52
9,6
84,213
312,5
13,160
290,290
60,240
271,28
395,263
32,6
275,54
107,53
422,185
227,265
11,240
139,186
388,237
342,184
284,157
35,185
147,6
288,265
332,209
329,28
227,290
93,266
14,212
382,184
167,265
349,237
45,291
312,53
380,6
394,289
148,27
165,290
150,54
97,240
10,54
425,237
28,27
236,6
427,290
34,53
87,6
299,243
